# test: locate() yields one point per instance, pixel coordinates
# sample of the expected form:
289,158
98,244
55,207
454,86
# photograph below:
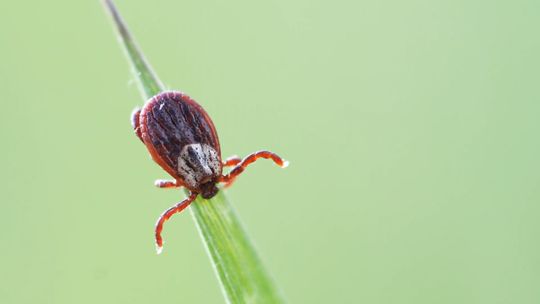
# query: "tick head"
208,189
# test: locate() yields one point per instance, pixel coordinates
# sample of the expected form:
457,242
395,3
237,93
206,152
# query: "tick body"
182,139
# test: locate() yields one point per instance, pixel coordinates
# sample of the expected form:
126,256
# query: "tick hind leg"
167,214
241,166
135,117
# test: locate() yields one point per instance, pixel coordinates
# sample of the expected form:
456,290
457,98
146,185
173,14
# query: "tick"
182,139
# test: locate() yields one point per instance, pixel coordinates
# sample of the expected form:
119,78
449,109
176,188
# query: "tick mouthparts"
209,190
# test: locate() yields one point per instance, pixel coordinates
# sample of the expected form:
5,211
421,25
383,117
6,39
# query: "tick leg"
167,214
135,116
240,167
232,161
161,183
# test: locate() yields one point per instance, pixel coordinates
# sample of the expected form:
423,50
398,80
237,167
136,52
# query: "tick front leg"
232,161
241,166
135,117
161,183
167,214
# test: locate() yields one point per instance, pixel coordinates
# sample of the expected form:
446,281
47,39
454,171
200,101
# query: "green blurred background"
411,126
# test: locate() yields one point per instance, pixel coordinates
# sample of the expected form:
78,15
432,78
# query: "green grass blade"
241,273
148,82
239,270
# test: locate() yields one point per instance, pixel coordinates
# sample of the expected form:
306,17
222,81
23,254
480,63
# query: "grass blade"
239,270
147,80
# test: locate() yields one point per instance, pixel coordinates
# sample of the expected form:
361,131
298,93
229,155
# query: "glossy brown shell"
170,121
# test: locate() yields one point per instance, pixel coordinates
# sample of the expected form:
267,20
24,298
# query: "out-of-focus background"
412,128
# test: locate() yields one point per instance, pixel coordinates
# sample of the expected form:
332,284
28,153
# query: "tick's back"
180,131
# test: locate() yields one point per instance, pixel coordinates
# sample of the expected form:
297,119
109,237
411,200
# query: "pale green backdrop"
412,128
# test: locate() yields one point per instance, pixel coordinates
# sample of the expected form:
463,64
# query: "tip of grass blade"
122,28
148,82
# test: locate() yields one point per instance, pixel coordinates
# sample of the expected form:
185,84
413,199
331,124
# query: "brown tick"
182,139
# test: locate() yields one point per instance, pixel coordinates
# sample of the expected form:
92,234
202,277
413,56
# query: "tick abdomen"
183,136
